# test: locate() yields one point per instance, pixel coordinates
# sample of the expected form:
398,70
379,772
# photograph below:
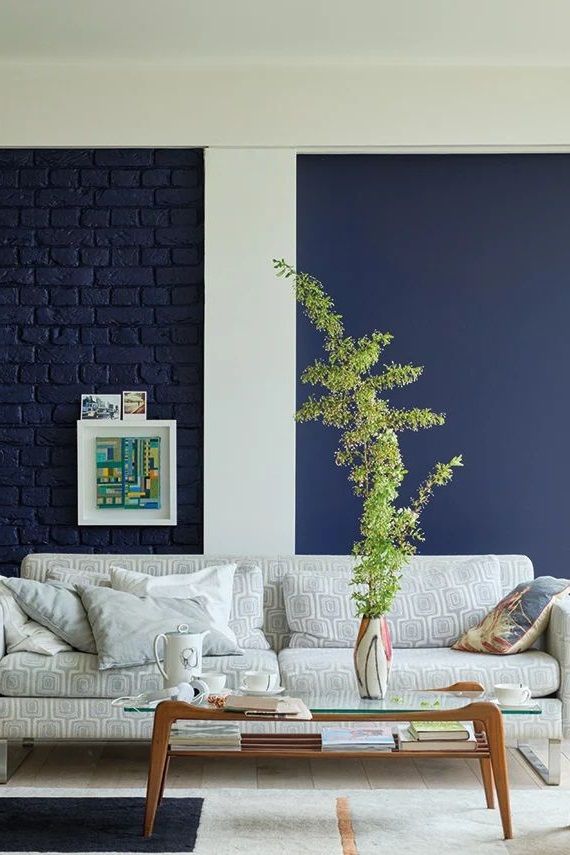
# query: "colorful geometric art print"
128,472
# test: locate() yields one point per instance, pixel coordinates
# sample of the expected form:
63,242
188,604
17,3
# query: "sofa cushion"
330,670
438,600
76,675
72,578
514,569
247,615
320,611
246,618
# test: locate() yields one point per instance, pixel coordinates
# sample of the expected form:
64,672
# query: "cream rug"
358,822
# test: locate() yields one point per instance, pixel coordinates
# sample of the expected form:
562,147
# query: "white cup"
512,693
260,681
214,681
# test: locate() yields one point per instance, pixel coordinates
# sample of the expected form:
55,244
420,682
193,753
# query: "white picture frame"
87,511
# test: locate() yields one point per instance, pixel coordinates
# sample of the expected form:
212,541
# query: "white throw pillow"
212,587
25,635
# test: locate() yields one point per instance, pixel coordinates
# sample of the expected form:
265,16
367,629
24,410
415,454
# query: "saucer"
527,705
276,691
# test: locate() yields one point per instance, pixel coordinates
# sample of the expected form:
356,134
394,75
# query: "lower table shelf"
310,744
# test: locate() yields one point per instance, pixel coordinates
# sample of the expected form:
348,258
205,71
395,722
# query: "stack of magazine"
357,739
437,736
210,736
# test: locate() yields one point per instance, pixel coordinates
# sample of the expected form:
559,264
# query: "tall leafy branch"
351,392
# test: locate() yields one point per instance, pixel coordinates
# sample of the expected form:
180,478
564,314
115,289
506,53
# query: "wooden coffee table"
461,701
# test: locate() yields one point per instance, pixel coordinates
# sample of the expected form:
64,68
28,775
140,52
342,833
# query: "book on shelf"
206,737
357,739
407,741
439,730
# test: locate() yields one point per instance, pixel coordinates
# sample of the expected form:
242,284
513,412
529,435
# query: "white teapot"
182,655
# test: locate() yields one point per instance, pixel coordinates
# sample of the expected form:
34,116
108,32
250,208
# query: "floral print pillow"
517,621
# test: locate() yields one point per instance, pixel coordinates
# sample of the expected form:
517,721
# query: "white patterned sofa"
66,697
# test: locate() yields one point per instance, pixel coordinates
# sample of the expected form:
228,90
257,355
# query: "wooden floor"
124,765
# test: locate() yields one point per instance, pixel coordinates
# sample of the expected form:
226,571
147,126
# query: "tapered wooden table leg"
496,737
162,785
157,767
487,775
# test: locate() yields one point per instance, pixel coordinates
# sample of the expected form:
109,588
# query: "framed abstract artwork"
126,473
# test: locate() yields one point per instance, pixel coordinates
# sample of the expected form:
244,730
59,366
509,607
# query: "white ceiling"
475,32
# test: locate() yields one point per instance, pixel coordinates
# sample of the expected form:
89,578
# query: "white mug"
512,693
260,681
214,681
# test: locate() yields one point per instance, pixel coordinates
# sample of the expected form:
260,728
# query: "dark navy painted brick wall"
101,289
466,259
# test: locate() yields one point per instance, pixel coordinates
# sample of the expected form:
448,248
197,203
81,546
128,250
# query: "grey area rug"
345,822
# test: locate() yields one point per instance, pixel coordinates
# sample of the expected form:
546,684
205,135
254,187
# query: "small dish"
277,691
525,706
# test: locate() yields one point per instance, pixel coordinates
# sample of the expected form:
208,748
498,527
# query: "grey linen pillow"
56,607
125,626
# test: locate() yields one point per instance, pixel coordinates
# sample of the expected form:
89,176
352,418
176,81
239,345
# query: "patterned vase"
373,657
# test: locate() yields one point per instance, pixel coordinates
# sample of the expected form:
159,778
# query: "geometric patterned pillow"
73,577
246,618
517,621
320,611
439,600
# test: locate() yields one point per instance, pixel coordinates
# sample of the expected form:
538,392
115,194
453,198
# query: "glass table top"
407,702
396,702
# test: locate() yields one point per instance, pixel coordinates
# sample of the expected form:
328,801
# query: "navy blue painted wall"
101,289
466,259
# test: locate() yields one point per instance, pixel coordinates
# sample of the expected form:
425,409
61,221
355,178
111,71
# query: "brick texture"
101,289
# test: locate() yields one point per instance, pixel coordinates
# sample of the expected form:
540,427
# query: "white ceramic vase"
373,657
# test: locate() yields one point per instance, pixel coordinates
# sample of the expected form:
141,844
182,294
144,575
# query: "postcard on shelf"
103,407
134,406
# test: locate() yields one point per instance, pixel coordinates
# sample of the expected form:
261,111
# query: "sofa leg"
550,774
6,771
3,761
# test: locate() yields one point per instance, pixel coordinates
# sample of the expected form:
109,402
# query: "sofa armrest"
2,636
558,645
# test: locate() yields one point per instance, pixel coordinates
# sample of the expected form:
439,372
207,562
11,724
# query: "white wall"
249,431
121,104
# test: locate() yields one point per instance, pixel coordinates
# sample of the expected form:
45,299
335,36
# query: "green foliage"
351,398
